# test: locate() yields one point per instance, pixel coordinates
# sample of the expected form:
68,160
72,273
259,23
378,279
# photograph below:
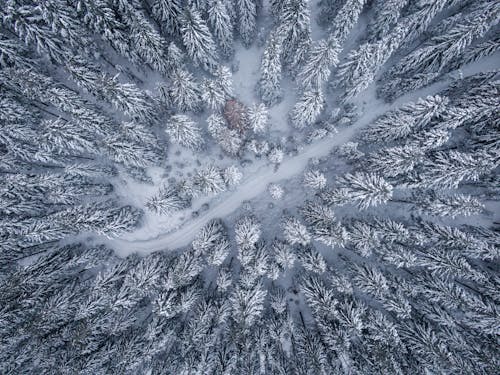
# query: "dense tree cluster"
380,257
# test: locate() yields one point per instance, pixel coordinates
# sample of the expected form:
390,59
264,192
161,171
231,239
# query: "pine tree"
258,117
448,205
168,14
182,130
275,155
66,137
209,181
314,179
295,232
13,54
400,123
167,200
394,161
247,305
365,189
275,191
247,18
198,40
345,19
295,30
322,57
183,91
232,175
439,51
448,169
307,109
386,14
219,17
247,231
215,92
269,85
229,139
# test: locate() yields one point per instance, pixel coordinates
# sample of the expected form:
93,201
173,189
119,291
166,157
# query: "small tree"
314,179
258,118
276,191
307,109
182,130
168,200
295,232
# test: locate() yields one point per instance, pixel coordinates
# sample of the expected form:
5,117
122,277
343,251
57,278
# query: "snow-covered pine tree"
275,191
219,17
386,14
13,54
440,50
448,169
247,20
295,232
400,123
314,179
295,31
216,91
198,40
258,118
167,200
248,232
183,91
269,85
168,15
307,109
209,181
232,175
436,204
228,139
322,57
184,131
364,189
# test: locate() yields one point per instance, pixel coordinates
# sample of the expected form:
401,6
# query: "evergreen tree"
183,91
400,123
269,85
219,17
307,109
275,191
247,19
232,175
314,179
182,130
317,69
229,139
258,117
247,231
168,200
364,189
295,30
198,40
168,14
295,232
386,14
444,205
448,169
209,181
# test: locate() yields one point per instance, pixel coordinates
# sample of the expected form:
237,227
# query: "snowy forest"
238,187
